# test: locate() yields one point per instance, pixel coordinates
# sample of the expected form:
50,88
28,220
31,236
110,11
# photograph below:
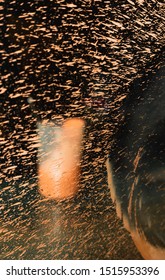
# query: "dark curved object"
136,165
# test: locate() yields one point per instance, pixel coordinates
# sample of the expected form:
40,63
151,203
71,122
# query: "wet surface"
84,227
68,233
74,59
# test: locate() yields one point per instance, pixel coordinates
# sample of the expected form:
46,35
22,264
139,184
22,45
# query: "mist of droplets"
71,58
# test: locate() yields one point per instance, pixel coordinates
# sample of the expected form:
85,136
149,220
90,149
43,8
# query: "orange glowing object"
59,157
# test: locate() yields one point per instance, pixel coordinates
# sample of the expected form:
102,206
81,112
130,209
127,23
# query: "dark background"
60,53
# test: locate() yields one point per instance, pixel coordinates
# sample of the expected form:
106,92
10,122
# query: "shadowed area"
137,165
